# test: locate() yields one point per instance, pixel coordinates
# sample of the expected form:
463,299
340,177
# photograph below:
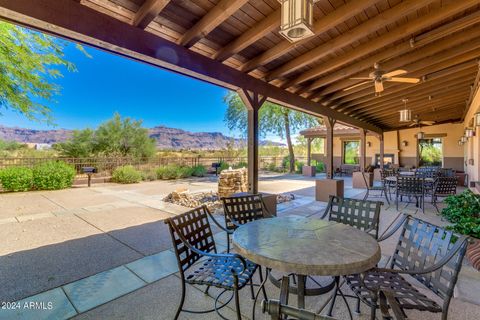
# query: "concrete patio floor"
104,252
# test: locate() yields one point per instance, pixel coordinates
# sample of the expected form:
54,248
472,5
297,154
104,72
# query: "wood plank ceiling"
437,41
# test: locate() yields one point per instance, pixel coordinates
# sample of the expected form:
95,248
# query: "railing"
105,165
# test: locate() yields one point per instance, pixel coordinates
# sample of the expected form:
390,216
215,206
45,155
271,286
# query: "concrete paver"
155,267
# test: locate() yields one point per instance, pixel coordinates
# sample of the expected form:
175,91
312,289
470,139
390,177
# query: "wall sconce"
476,117
369,144
460,142
421,135
404,143
464,139
469,132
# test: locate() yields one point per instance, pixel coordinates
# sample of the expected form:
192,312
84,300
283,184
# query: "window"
430,152
351,152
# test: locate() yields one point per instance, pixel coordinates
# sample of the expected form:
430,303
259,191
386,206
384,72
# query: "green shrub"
149,175
53,175
319,167
199,171
299,166
167,172
272,167
223,166
126,174
184,172
463,211
16,179
241,164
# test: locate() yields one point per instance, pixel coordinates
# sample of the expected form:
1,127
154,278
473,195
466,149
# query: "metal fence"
105,165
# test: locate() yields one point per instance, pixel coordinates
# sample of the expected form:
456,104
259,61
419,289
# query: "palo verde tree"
29,63
118,136
273,118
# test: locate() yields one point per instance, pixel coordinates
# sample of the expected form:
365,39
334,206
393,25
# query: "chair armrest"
390,231
210,215
458,245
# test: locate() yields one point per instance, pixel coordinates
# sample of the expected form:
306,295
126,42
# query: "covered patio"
425,51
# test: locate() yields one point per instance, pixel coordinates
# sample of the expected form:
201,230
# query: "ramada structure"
237,44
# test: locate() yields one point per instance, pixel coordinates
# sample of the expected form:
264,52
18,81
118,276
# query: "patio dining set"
313,256
418,184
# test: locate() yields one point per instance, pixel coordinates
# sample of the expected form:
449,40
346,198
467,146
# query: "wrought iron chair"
389,185
430,254
411,187
280,310
193,240
382,188
361,214
446,172
239,210
443,187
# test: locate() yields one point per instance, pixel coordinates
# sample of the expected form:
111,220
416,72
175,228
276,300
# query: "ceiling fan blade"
413,124
378,86
361,78
356,85
427,123
406,80
395,73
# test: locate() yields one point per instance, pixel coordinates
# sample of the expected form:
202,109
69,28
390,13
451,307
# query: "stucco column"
309,151
382,150
363,149
329,123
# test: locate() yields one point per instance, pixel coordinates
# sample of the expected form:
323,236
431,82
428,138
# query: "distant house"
43,146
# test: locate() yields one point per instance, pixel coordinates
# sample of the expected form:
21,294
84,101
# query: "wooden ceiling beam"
395,106
320,26
149,10
429,38
361,31
255,33
421,68
401,61
388,38
73,21
420,90
221,12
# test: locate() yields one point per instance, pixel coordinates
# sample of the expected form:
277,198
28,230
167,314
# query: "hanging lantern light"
405,114
460,143
297,19
464,139
477,119
469,132
420,135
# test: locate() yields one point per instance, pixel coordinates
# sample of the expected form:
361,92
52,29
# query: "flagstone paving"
113,259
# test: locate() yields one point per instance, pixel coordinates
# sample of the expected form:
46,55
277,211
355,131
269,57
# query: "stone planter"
359,183
326,187
473,253
309,171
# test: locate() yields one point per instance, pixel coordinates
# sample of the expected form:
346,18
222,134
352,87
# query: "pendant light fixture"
405,114
420,135
296,19
477,119
469,132
464,139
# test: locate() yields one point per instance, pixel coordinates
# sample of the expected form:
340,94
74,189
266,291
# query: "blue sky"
106,83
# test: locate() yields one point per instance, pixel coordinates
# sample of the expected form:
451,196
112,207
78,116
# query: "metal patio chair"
280,310
382,188
446,172
430,254
361,214
198,260
411,187
443,187
389,185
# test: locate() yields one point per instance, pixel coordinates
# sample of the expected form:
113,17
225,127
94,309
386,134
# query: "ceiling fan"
378,76
417,122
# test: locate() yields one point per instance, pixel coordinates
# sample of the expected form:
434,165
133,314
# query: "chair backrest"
421,245
242,209
446,186
409,185
361,214
387,173
194,227
446,172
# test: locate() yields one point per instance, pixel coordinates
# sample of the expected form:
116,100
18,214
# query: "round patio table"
394,179
407,173
306,246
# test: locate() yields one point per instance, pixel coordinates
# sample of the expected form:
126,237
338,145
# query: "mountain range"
166,138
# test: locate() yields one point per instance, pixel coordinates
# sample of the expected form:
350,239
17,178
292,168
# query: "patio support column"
253,101
363,149
309,151
382,150
329,123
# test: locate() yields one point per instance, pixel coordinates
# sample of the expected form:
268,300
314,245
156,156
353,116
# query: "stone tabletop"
394,179
306,246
